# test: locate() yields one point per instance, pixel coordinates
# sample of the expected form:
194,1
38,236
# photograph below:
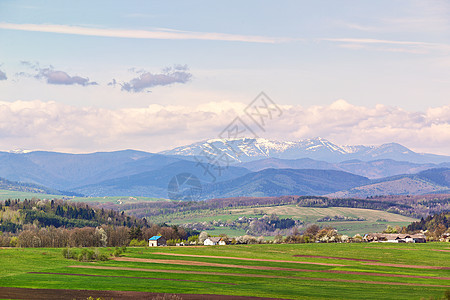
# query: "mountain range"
254,167
247,149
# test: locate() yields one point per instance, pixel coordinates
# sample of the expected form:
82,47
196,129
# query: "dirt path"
261,275
45,294
253,259
93,275
333,257
409,266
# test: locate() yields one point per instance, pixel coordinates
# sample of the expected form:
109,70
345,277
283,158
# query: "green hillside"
374,220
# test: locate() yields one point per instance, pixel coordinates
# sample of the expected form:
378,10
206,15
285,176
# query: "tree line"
58,223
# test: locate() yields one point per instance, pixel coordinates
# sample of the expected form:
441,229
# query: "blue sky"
85,76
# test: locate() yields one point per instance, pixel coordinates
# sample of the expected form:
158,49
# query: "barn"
156,240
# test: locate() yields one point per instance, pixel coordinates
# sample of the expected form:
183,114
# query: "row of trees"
434,226
58,223
102,236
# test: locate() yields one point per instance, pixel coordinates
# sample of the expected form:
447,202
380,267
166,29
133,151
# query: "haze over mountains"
237,167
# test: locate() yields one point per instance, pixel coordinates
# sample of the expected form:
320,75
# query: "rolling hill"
370,169
155,183
277,182
66,171
425,182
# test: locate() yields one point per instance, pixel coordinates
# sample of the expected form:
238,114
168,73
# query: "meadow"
8,194
285,271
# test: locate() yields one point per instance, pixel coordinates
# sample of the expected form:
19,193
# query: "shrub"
137,243
117,252
14,241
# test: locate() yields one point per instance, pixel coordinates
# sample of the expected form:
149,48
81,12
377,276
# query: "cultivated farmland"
287,271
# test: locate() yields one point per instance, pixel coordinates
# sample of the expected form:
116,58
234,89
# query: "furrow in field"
254,259
409,266
199,263
44,294
262,275
287,277
116,276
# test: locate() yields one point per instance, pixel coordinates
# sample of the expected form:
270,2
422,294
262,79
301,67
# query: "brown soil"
253,259
440,250
44,294
409,266
333,257
92,275
261,275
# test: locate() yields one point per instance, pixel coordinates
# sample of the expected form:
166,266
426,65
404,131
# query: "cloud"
160,34
59,127
388,45
171,75
3,75
55,76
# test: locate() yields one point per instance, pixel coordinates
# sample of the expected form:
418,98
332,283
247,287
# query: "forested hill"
15,214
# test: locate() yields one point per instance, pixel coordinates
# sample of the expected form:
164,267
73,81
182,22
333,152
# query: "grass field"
117,200
7,194
306,214
410,271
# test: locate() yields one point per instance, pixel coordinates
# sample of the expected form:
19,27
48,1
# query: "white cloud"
389,45
160,33
59,127
170,75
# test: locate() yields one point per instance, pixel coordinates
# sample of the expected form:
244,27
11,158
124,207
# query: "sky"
86,76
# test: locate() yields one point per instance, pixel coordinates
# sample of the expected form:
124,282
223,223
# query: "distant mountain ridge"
30,188
425,182
249,149
261,167
372,169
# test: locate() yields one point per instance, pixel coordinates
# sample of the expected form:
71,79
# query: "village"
156,241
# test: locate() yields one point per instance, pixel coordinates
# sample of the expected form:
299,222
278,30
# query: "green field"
420,270
305,214
117,200
7,194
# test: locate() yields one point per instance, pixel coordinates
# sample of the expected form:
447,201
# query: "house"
156,240
395,238
445,237
212,241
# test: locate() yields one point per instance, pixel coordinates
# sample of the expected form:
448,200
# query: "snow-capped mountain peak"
248,149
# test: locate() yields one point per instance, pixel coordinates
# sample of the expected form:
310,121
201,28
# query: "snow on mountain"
19,151
249,149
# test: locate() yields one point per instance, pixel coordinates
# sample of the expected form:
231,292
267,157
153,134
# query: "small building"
156,241
212,241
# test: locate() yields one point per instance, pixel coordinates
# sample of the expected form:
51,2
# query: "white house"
212,241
